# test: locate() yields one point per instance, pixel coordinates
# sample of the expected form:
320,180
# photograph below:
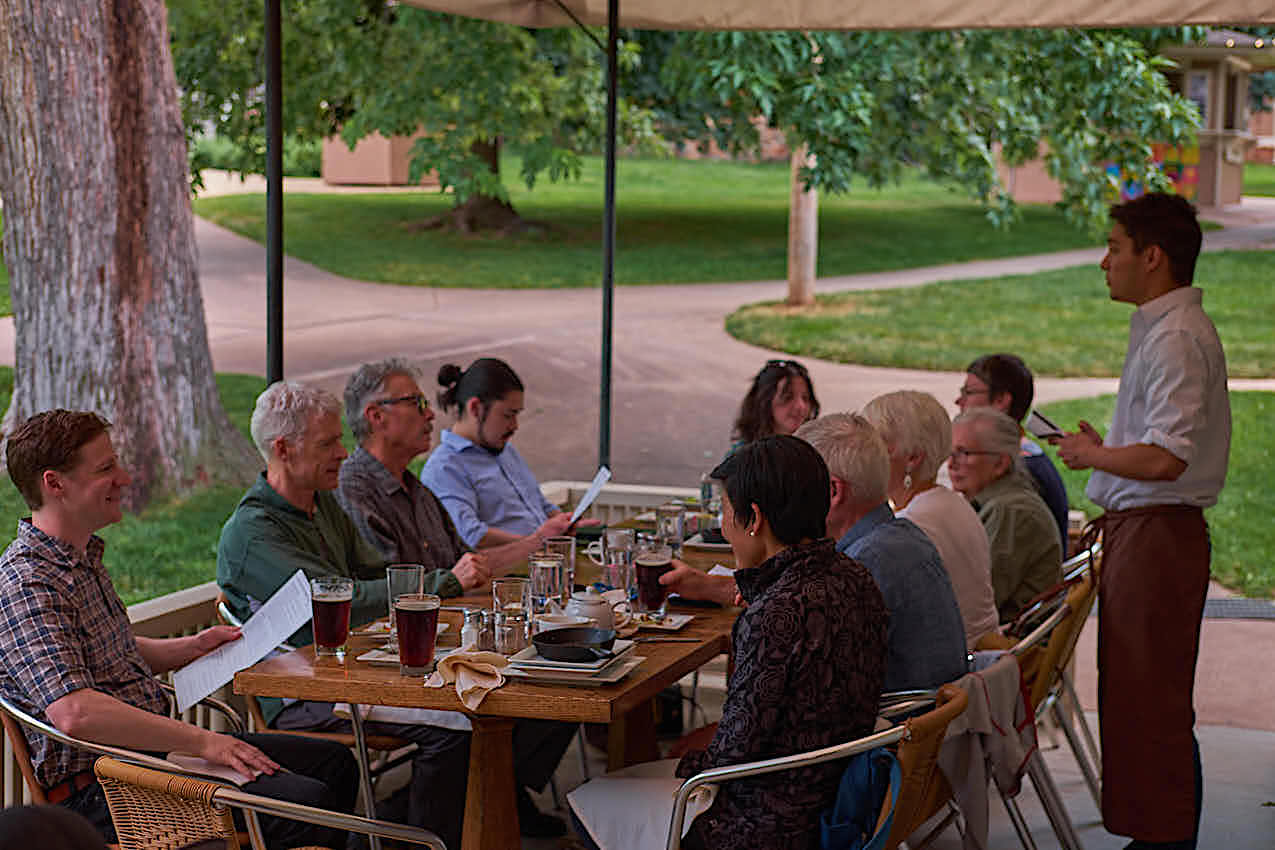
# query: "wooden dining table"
491,820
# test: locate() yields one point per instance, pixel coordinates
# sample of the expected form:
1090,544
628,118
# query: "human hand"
555,526
236,754
1079,449
693,584
211,638
472,570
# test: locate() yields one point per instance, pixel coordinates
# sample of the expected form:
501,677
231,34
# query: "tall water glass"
566,547
511,595
670,525
330,598
400,579
617,557
417,629
546,570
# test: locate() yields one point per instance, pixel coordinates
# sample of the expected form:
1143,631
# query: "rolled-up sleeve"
1174,393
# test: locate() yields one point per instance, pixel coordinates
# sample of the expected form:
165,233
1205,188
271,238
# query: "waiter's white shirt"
1173,395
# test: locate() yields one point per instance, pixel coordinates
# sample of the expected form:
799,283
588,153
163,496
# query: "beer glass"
330,598
653,560
417,616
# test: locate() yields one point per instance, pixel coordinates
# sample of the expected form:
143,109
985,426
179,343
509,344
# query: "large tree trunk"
99,237
483,212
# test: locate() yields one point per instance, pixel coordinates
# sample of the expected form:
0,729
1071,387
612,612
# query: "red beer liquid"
651,594
331,619
417,621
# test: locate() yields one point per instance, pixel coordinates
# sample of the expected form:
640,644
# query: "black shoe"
534,823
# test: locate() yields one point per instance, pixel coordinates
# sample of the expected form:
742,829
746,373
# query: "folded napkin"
475,673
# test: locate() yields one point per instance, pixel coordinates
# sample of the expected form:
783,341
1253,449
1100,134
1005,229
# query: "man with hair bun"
1162,463
486,486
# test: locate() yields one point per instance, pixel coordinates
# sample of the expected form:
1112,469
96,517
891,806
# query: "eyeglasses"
966,392
963,455
418,399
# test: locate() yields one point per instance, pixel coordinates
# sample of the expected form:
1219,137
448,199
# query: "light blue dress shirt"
925,643
482,490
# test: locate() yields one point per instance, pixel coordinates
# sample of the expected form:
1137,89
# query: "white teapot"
597,607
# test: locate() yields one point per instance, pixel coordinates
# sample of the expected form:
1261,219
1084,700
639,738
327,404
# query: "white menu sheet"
275,621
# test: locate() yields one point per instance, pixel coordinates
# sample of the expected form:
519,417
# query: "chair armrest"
223,708
337,820
727,773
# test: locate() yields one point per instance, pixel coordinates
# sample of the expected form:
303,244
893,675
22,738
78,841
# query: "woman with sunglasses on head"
780,400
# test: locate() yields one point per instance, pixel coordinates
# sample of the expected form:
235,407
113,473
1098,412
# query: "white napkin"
475,674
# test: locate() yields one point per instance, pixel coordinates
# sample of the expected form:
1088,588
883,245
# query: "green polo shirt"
267,539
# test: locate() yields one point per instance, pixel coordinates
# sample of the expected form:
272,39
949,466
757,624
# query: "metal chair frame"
251,803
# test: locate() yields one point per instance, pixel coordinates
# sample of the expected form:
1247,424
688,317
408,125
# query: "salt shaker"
471,632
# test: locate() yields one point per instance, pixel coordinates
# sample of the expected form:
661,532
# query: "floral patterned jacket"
809,656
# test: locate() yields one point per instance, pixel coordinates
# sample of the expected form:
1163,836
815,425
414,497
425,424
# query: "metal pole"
274,194
608,239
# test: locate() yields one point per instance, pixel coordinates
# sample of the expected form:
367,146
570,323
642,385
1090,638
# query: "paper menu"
603,476
275,621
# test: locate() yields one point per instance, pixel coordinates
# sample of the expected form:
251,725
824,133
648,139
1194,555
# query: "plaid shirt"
63,628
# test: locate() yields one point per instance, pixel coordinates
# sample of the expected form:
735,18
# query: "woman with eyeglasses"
780,400
986,467
918,437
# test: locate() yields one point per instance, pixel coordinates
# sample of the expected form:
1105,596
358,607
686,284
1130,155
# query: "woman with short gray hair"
986,469
918,438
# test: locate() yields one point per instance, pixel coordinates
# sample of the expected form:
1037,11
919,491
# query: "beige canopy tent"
717,15
861,14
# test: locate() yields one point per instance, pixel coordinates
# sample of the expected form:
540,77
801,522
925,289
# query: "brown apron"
1154,579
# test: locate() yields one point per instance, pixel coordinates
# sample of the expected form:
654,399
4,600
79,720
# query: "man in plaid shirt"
68,654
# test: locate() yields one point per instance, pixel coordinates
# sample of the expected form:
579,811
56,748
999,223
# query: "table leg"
365,775
632,739
491,807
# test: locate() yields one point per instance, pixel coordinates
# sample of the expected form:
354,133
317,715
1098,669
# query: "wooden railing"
185,612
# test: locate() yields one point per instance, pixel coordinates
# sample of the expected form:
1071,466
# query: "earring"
752,534
907,481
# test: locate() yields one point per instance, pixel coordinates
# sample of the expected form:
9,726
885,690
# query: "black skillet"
575,644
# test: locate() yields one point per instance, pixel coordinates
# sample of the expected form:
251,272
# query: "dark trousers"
319,773
440,768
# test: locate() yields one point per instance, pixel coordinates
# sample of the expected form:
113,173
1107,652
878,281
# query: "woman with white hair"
918,437
986,468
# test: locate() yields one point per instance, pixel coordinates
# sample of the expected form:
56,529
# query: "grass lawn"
1243,536
1060,322
1259,179
678,222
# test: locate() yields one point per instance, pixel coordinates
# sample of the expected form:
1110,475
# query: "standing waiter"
1162,463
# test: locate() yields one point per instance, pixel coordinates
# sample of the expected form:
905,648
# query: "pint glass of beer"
330,604
417,617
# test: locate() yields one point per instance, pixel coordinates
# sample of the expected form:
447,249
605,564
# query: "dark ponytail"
487,379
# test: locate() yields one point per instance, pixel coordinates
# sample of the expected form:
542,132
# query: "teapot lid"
589,594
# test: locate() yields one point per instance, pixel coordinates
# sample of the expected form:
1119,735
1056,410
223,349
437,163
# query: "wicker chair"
158,810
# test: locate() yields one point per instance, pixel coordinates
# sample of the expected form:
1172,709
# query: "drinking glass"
670,525
546,570
617,559
511,594
566,547
652,561
417,628
400,579
330,598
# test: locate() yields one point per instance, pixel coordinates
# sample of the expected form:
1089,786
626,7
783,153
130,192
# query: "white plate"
670,623
621,667
530,658
696,541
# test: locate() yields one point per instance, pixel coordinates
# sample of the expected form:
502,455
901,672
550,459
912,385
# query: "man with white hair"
926,638
288,520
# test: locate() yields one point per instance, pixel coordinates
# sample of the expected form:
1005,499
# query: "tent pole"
608,239
274,194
